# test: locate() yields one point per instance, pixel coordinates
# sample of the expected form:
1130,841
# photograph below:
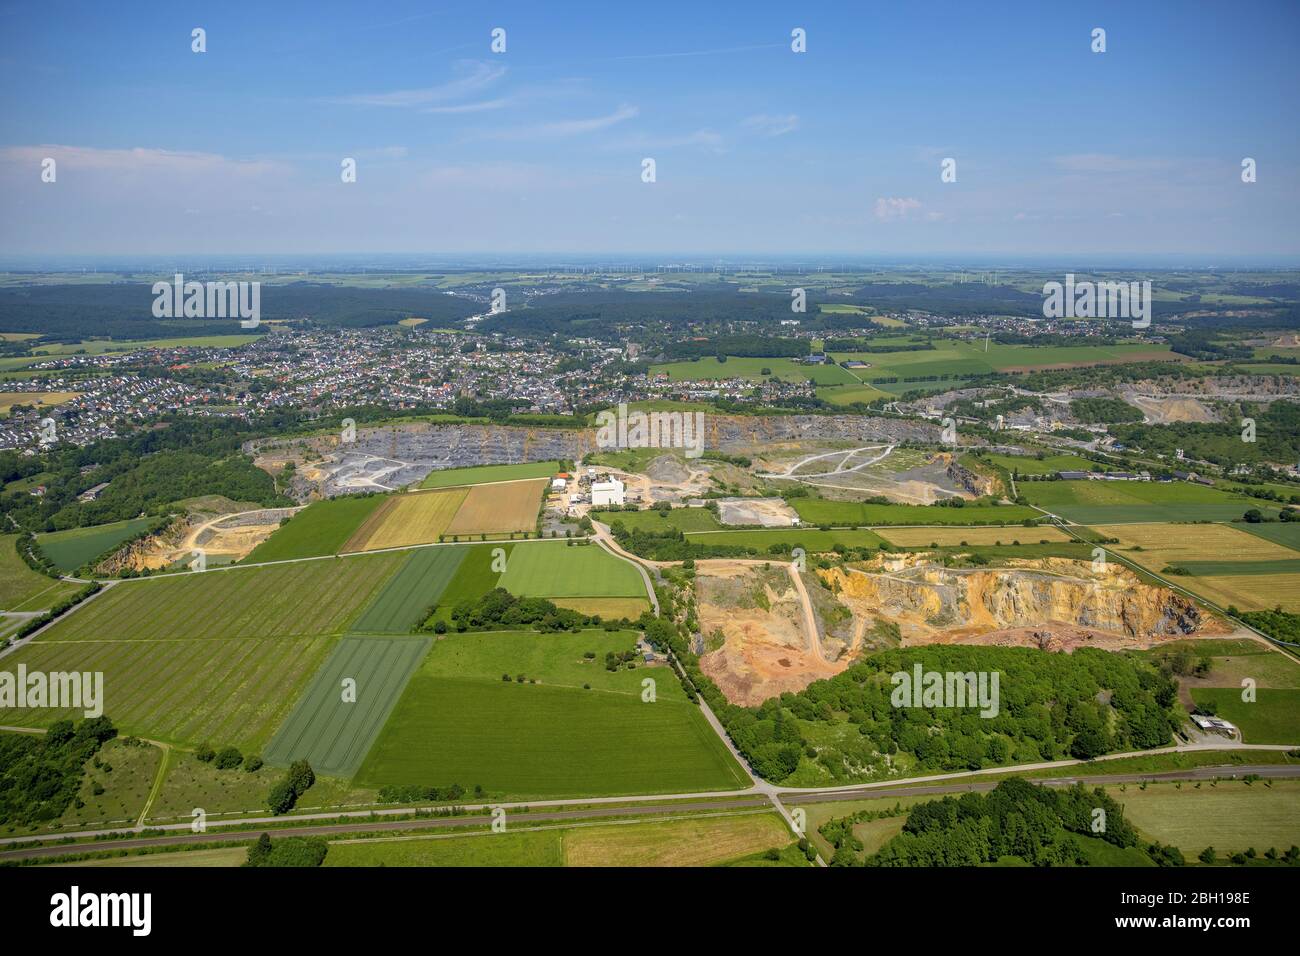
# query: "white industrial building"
606,493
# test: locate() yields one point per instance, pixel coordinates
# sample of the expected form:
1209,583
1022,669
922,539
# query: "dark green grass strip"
333,735
403,602
1203,569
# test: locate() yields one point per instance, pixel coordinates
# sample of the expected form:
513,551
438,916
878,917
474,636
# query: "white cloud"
771,125
476,77
137,160
479,107
706,138
562,128
890,208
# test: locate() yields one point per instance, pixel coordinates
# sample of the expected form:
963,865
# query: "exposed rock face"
928,600
971,482
396,455
733,433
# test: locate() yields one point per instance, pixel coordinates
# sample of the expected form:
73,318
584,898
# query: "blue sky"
759,150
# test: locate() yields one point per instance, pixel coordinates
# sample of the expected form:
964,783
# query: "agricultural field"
850,394
556,569
817,511
460,722
1272,718
514,847
408,519
71,549
100,346
1248,571
501,508
477,574
1232,661
1229,815
33,400
1285,533
1114,502
21,588
652,519
218,656
302,599
334,734
607,608
321,528
706,840
183,692
1047,465
483,474
222,856
697,841
948,537
403,602
786,369
810,539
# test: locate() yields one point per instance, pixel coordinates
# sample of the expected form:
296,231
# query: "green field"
303,599
810,539
21,588
403,603
788,370
818,511
333,734
71,549
459,722
1273,718
218,656
679,519
1047,465
958,358
555,569
704,840
1285,533
1215,568
321,528
1230,816
1119,502
517,848
850,394
100,346
474,578
449,477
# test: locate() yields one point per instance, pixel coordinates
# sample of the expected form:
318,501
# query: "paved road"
606,541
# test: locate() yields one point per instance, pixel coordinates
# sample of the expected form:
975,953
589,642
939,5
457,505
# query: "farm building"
1215,725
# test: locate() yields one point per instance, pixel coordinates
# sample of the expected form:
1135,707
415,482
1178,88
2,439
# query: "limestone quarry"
755,633
1052,603
393,456
757,643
